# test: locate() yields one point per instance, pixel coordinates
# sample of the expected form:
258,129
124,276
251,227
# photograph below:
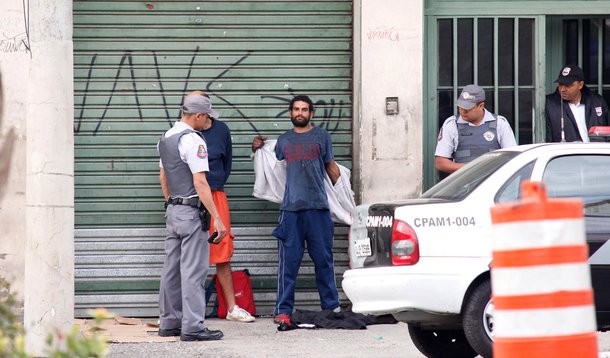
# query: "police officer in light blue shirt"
474,132
184,161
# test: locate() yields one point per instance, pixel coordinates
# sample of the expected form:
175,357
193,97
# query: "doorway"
584,41
516,60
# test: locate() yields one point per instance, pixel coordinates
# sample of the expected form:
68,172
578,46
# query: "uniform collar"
488,117
182,125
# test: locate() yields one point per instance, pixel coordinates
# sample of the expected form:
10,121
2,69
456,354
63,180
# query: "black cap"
569,74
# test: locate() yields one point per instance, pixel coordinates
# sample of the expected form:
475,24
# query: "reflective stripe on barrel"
541,281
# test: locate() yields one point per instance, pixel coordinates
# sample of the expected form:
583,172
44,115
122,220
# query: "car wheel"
441,343
478,319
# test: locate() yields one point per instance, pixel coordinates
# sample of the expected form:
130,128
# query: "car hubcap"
488,319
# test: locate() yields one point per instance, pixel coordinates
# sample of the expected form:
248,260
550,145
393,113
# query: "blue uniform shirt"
306,155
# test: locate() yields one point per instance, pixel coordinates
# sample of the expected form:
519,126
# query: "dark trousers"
295,229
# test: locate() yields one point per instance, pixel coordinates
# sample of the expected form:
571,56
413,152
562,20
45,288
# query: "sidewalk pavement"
261,339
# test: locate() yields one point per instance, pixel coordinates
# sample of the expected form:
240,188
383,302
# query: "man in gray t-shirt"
304,216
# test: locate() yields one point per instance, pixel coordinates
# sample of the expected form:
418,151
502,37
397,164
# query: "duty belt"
204,215
194,201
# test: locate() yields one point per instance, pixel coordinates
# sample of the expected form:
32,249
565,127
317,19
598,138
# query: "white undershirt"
578,110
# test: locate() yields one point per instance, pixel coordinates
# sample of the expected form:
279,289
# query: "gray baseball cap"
198,104
470,96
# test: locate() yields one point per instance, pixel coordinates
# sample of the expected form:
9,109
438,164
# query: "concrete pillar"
14,66
389,63
49,253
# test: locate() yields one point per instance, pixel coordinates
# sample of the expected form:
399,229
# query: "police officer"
474,132
184,161
217,137
573,108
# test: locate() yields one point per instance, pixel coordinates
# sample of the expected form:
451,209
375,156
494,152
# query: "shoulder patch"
440,135
202,152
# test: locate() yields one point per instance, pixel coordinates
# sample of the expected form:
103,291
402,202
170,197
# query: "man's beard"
300,123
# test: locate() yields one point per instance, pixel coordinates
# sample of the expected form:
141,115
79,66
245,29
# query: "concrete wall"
15,62
389,63
37,214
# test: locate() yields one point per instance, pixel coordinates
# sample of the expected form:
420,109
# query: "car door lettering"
445,221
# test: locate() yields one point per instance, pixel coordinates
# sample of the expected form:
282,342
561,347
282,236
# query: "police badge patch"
598,111
489,136
467,95
201,152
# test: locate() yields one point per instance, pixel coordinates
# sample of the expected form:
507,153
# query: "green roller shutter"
134,61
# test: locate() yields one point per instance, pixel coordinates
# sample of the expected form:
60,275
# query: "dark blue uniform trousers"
294,229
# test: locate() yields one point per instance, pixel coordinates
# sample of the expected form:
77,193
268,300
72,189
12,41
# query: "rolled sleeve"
447,139
506,137
193,154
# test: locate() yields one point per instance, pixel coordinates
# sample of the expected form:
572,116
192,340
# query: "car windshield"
460,184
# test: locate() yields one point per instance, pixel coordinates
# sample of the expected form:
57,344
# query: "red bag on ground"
242,285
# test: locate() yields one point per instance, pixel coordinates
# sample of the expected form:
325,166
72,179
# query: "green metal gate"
134,61
584,40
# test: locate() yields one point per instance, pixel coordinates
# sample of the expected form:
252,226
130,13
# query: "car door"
587,176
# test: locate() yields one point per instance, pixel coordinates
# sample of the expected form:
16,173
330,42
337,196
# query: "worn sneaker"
239,315
283,323
281,318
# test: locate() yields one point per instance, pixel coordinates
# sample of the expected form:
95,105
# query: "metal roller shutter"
134,61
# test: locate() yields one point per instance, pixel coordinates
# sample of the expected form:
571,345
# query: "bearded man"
304,212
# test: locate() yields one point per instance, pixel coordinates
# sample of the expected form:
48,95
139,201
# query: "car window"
458,185
584,176
511,190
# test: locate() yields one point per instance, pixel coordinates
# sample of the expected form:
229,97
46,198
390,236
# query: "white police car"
426,261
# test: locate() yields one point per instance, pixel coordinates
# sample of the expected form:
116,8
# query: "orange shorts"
224,250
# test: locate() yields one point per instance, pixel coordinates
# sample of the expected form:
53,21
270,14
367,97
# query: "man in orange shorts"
220,157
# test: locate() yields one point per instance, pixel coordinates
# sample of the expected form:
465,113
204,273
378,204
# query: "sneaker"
239,315
281,318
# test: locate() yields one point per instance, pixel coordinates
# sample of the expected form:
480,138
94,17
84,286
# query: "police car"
427,260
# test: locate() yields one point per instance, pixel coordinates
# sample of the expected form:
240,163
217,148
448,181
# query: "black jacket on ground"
596,114
344,320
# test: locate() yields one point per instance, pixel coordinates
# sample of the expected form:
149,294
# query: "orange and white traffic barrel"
541,281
